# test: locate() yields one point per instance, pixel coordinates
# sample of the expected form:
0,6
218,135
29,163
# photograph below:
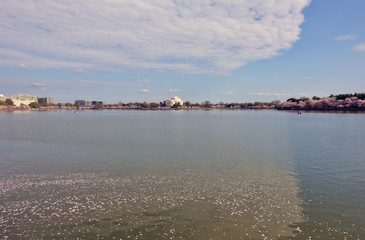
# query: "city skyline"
118,51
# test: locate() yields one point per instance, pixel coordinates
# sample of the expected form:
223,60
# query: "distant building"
95,102
173,101
47,100
168,103
2,98
80,102
25,99
85,103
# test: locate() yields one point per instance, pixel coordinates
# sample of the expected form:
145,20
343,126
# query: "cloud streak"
279,94
227,93
45,83
175,90
360,47
39,85
80,71
346,37
146,80
213,36
144,91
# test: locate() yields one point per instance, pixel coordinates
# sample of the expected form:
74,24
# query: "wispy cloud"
104,83
278,94
227,93
21,66
360,47
144,91
80,71
346,37
39,85
185,36
146,80
174,90
48,83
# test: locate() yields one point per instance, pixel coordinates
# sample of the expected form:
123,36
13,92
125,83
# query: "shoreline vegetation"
341,102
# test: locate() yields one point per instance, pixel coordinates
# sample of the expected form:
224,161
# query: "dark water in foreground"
182,175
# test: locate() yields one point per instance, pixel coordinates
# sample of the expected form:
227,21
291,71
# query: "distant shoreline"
56,109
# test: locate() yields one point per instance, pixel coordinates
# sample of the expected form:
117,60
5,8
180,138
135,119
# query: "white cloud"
346,37
22,65
174,90
187,36
146,80
360,47
144,91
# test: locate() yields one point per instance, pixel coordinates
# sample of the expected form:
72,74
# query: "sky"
151,50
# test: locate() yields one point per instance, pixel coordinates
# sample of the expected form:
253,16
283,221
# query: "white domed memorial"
173,101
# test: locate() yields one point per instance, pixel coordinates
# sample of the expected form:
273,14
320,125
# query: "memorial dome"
177,100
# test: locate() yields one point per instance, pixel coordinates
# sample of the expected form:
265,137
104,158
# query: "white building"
173,101
25,99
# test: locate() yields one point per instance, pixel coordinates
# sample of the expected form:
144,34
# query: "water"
182,175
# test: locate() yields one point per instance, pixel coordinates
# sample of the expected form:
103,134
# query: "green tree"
9,102
188,104
98,106
77,106
154,105
206,104
145,105
293,100
138,104
43,104
34,105
229,105
275,102
303,99
176,105
257,103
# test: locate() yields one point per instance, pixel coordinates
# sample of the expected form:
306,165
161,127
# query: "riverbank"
63,108
28,108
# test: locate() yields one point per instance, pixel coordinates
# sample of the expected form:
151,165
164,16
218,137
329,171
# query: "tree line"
346,101
190,105
7,102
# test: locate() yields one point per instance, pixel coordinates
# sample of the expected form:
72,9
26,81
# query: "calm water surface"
182,175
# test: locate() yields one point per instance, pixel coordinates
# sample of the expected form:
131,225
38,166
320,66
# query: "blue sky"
145,50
